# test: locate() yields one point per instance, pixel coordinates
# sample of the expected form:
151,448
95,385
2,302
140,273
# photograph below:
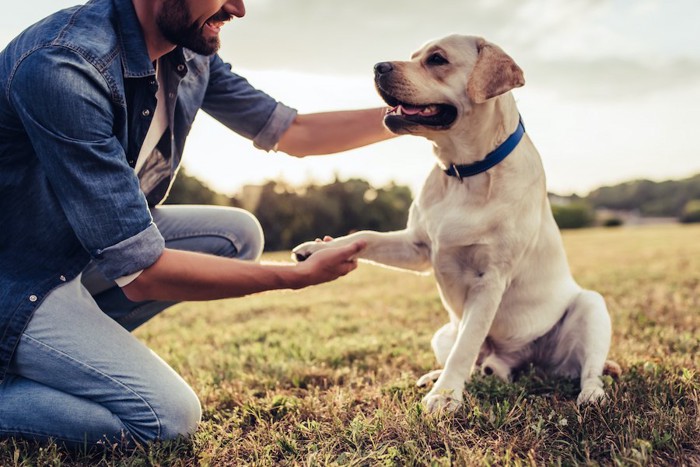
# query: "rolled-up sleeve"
278,122
133,254
68,111
233,101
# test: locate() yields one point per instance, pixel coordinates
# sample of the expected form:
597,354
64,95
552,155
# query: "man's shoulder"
91,31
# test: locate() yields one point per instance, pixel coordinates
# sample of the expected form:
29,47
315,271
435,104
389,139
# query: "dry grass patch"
325,376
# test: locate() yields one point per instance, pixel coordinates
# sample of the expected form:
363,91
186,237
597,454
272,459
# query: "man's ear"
494,73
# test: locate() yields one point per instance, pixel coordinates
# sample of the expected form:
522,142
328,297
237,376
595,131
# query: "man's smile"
217,21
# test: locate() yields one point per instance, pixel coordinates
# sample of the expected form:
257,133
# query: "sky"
612,87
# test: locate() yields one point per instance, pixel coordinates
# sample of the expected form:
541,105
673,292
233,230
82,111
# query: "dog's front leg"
478,313
400,249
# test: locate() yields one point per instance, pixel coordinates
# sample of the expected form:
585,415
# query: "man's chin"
201,45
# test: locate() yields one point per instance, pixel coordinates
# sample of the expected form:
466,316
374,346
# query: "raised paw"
303,251
590,395
442,401
429,377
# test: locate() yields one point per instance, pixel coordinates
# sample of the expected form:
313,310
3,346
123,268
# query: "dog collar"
491,159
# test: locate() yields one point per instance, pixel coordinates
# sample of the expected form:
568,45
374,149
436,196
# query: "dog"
483,223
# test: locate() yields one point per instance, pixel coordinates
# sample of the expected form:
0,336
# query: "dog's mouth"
401,114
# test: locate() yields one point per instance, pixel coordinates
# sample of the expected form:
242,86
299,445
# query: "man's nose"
235,8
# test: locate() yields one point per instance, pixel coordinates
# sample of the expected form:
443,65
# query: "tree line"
678,199
290,215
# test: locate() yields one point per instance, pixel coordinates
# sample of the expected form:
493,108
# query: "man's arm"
332,132
183,275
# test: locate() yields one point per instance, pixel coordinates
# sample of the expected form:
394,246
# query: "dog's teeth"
399,110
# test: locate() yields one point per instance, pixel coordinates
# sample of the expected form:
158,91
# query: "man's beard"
173,22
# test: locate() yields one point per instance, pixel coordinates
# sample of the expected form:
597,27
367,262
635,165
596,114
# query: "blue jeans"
79,377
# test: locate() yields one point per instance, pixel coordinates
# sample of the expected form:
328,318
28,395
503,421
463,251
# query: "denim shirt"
77,95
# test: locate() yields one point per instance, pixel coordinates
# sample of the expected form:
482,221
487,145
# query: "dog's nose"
382,68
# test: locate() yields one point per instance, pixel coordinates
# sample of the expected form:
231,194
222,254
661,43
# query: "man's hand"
330,263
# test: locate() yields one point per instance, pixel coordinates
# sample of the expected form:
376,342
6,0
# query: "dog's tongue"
410,109
407,109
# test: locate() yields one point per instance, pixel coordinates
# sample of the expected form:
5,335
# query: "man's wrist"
289,276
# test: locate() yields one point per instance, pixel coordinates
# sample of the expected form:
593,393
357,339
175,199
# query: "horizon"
308,183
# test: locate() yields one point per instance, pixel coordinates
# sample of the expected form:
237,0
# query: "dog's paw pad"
301,256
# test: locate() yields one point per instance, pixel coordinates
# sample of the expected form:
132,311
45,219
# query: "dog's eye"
437,59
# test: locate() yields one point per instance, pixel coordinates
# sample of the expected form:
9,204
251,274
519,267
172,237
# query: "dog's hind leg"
442,342
429,377
588,332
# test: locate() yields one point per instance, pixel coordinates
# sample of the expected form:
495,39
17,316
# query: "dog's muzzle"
404,114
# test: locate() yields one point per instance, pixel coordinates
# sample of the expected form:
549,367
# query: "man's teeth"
215,24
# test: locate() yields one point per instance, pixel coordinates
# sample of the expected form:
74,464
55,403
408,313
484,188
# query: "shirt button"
63,278
33,298
171,95
146,113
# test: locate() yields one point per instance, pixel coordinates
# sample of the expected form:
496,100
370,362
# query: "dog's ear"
494,73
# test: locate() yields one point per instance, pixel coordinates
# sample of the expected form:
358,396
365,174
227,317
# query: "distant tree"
666,199
190,190
573,216
292,215
612,222
691,212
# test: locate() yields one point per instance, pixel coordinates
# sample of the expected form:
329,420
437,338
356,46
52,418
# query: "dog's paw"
303,251
442,401
592,395
429,377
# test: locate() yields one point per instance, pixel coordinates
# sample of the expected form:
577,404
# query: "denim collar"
135,58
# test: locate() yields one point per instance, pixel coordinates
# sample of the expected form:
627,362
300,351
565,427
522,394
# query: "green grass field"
326,375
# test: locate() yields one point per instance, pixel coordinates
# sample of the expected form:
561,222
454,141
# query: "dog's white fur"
491,239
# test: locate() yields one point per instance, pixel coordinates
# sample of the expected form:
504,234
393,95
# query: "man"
96,103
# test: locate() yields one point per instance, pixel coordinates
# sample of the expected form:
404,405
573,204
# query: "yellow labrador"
483,223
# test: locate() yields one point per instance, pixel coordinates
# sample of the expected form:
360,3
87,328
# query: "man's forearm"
332,132
187,276
182,275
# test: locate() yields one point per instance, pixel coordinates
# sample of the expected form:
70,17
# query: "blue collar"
491,159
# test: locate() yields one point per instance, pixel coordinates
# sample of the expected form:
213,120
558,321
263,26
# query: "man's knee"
174,412
250,235
221,231
180,416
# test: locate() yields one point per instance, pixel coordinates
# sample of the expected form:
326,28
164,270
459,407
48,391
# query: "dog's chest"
452,219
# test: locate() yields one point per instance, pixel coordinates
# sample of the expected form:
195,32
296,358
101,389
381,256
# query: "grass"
326,375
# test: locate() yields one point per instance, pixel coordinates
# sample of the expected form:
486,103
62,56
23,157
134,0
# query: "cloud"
317,34
588,48
611,78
